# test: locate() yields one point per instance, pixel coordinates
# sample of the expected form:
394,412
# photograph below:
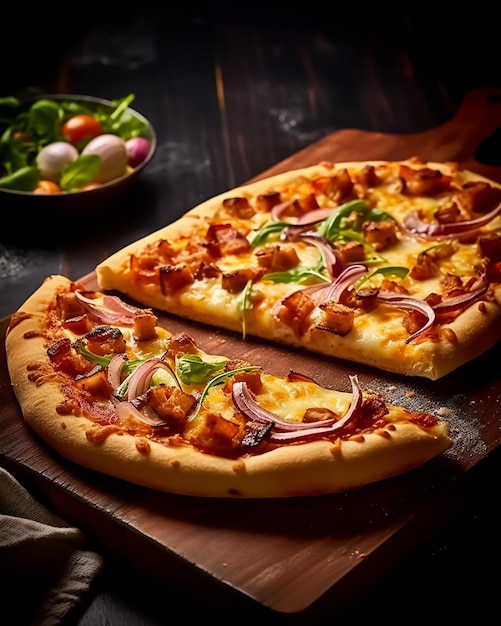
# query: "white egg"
53,157
113,153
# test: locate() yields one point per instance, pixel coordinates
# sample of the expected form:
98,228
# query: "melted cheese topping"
378,336
286,399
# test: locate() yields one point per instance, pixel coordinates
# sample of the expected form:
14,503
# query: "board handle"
478,117
460,139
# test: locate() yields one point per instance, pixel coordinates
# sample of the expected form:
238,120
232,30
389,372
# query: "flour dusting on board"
465,423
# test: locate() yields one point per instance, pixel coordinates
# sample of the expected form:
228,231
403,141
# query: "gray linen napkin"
46,567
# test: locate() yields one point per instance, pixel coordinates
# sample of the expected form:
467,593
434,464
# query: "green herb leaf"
394,270
24,179
192,369
350,216
219,380
268,229
81,349
80,172
44,121
298,274
244,304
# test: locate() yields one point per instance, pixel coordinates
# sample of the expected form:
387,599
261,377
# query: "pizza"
391,264
107,386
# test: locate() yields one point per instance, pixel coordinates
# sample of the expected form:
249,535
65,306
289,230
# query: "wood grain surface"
295,556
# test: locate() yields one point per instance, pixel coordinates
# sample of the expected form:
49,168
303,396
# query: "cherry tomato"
46,186
80,127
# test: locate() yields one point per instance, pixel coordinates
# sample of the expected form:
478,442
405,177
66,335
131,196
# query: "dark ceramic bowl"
31,211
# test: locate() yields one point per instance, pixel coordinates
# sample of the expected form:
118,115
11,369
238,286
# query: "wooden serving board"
292,556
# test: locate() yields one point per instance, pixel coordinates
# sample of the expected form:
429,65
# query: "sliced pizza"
109,388
396,265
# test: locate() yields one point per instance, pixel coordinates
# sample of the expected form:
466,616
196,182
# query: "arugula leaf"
192,369
338,221
219,380
394,270
244,304
299,274
82,349
268,229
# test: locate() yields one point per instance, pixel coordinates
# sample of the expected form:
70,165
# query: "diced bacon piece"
68,306
452,285
424,181
95,382
295,310
144,268
170,403
351,251
229,239
219,434
65,359
305,204
339,187
182,344
175,277
478,197
206,270
448,214
336,318
104,340
78,325
238,207
380,235
252,379
490,247
266,201
145,322
317,414
413,321
234,282
367,176
275,258
426,267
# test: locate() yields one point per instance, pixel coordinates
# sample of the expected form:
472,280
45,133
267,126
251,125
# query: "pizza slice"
109,388
396,265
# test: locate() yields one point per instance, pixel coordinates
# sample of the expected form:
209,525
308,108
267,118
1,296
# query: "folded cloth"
46,567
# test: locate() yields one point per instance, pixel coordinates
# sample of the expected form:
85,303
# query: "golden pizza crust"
477,329
294,470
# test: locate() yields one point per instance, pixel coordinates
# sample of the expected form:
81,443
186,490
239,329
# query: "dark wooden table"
231,92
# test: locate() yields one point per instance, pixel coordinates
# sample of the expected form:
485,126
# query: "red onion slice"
458,302
115,369
315,216
345,279
412,304
140,379
102,314
126,409
245,403
278,209
114,303
413,224
286,432
332,259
